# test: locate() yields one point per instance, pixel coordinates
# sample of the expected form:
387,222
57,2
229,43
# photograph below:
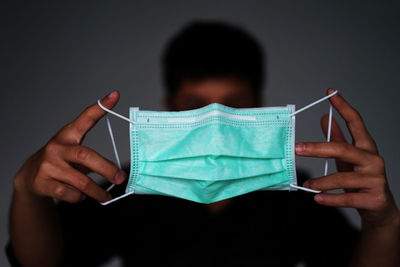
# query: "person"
206,62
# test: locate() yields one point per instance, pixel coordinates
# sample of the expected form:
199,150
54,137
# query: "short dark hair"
205,49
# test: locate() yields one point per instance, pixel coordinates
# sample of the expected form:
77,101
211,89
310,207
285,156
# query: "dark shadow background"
57,58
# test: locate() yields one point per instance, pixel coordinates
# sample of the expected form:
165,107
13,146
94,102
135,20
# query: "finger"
341,151
354,122
84,184
336,136
340,180
58,190
75,131
81,168
336,132
91,159
344,200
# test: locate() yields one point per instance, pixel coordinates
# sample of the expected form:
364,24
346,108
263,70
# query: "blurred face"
228,91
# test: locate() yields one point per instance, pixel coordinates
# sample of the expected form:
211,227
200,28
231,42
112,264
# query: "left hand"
361,171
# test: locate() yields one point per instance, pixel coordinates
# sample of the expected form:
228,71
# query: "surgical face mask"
211,153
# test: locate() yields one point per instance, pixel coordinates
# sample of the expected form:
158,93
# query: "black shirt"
263,228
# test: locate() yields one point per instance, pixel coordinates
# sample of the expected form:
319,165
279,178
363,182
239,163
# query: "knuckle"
379,201
67,127
75,199
81,127
50,149
83,184
82,154
345,148
361,143
311,183
338,148
309,147
380,183
354,115
44,168
68,134
379,162
60,192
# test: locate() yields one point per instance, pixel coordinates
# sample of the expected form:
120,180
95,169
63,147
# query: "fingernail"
119,177
331,90
318,198
306,184
300,147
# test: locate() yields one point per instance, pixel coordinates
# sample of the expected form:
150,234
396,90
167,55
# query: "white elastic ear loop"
314,103
305,189
114,147
115,199
328,136
114,113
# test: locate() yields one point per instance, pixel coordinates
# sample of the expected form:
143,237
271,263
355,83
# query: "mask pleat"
203,191
267,141
211,168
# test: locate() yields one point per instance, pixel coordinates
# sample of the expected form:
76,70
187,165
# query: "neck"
218,207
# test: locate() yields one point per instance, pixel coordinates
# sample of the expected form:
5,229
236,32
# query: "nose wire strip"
328,138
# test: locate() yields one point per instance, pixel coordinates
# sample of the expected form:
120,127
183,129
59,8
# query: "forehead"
227,91
213,89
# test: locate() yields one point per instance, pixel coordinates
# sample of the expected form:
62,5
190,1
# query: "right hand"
59,169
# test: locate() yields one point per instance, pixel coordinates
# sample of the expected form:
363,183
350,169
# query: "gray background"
57,58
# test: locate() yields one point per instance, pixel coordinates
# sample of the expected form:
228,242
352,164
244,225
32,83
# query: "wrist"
22,185
390,223
24,195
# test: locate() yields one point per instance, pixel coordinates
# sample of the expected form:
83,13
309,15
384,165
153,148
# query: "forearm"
35,229
378,246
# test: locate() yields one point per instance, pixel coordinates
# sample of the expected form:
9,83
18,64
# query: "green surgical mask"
211,153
